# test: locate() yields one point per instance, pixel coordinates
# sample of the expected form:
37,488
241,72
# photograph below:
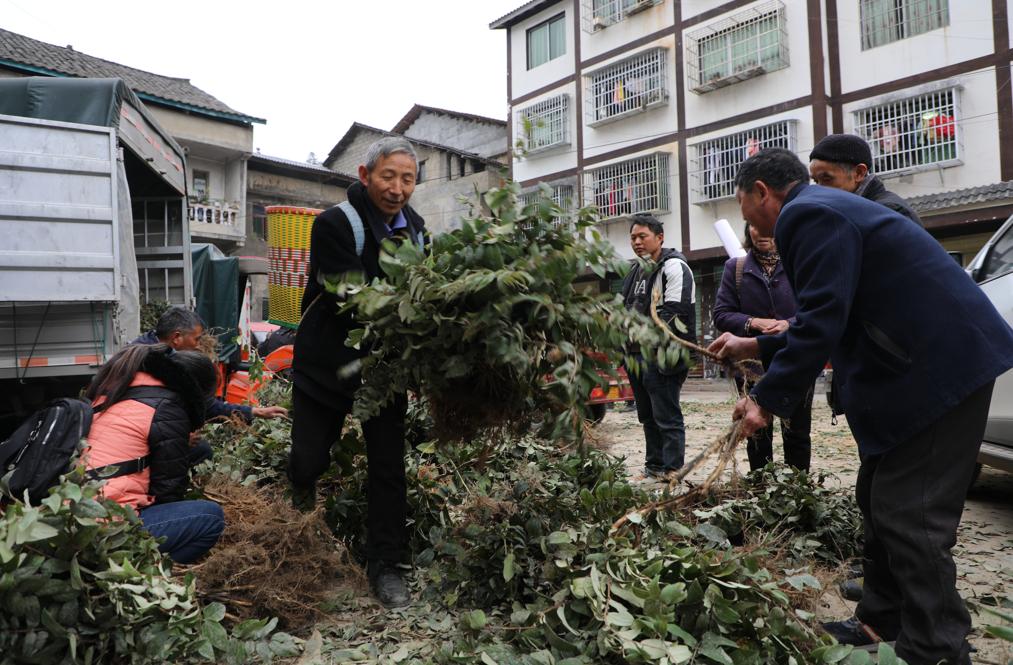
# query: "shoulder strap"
356,223
740,267
119,469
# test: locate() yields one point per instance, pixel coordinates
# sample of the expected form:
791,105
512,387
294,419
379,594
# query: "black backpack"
46,446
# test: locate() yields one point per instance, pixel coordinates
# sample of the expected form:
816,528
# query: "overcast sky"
310,68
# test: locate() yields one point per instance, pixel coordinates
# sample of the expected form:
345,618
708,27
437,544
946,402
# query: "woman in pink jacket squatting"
147,401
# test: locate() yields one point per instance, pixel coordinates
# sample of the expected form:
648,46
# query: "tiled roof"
358,127
291,164
417,110
1000,191
32,56
521,13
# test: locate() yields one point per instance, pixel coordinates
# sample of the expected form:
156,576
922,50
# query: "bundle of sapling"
489,324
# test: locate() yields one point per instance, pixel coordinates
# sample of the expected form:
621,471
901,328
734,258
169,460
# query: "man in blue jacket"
918,347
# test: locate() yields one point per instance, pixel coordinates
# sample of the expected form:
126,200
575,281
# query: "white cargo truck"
92,224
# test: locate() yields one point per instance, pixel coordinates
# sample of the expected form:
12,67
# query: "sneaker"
386,581
851,589
855,633
304,497
654,472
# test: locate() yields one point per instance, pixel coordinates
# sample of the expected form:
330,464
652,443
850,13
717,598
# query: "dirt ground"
984,551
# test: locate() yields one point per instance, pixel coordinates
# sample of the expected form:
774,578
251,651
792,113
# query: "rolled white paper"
728,238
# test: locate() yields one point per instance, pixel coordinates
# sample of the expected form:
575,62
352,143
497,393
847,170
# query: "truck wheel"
597,412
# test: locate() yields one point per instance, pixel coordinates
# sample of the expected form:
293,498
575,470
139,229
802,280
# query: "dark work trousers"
658,410
911,499
317,426
794,433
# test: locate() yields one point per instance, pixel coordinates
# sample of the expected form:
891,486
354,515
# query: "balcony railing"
214,212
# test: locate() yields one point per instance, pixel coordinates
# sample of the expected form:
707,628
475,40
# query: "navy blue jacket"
215,407
757,297
909,334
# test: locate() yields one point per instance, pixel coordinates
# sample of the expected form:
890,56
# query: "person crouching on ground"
183,330
656,390
147,400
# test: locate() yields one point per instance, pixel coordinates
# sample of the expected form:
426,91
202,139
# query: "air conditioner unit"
598,23
638,6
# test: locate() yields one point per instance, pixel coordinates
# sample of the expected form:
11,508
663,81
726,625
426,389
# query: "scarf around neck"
768,260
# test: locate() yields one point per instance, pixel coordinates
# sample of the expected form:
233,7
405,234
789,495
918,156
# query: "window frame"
662,196
909,148
724,188
901,27
739,63
603,85
547,25
206,177
543,111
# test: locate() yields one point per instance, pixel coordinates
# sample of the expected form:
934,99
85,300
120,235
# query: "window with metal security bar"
600,14
912,133
546,41
627,87
737,48
562,195
885,21
636,185
716,162
544,125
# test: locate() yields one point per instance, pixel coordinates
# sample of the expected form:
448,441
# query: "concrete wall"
271,189
187,128
632,129
968,36
461,133
617,232
551,160
525,80
978,147
764,90
355,153
703,215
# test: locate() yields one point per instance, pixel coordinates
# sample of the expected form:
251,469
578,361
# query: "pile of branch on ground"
517,560
81,581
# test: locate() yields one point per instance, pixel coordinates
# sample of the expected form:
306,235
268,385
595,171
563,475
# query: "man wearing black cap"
844,161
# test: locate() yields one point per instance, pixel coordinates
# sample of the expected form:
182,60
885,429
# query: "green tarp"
85,101
215,287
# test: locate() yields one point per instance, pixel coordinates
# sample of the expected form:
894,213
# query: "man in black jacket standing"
844,161
345,247
656,390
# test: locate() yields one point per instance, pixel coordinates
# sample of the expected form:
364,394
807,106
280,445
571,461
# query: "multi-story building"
651,105
218,139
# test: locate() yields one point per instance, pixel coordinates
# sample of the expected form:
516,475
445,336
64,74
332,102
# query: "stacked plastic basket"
288,254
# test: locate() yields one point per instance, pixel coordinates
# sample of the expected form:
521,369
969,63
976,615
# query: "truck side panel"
57,212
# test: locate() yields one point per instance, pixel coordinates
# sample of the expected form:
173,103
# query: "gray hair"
388,146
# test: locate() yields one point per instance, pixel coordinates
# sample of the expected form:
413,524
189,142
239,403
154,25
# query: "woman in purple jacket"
755,299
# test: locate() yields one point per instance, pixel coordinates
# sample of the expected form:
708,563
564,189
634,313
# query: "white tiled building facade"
651,105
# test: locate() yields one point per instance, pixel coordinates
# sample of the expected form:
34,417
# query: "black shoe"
304,497
386,581
857,634
851,589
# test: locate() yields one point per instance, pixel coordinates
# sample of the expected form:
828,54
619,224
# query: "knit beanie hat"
844,149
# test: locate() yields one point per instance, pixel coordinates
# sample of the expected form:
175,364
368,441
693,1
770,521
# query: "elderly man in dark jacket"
844,161
918,347
345,247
